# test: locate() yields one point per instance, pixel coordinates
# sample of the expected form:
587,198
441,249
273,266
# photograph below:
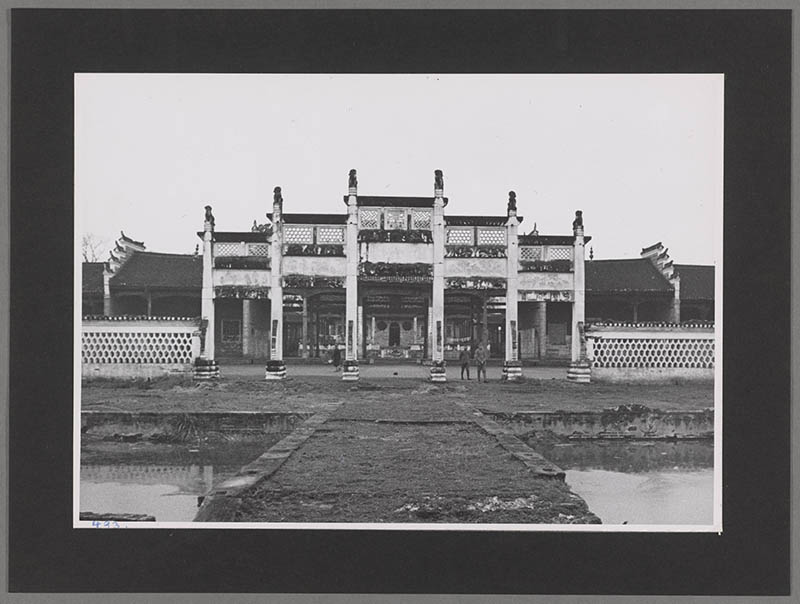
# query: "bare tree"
93,248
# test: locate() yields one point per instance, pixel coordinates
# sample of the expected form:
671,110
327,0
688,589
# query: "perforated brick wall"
139,347
677,352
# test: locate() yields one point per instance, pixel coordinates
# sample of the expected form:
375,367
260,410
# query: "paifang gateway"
394,278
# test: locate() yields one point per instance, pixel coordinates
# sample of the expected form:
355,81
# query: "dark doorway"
394,334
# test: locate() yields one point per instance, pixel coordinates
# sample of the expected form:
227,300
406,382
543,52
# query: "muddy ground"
399,450
299,394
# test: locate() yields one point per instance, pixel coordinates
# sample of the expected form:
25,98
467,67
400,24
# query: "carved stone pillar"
512,367
579,370
350,367
276,368
437,298
206,367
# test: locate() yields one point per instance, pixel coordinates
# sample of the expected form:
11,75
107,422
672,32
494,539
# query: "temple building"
394,278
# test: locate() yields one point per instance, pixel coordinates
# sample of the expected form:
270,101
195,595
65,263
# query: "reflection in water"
646,498
141,478
639,482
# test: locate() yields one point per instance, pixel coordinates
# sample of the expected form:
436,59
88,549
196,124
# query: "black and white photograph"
363,301
408,300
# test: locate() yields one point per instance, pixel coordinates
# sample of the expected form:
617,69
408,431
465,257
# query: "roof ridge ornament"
438,183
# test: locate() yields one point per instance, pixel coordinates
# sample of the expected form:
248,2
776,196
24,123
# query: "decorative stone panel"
457,236
227,249
258,249
369,219
395,220
491,237
559,253
298,234
421,219
530,252
330,235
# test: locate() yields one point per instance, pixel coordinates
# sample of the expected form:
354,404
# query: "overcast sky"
641,155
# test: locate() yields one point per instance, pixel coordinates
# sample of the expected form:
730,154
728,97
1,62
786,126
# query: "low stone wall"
138,347
177,426
619,423
643,352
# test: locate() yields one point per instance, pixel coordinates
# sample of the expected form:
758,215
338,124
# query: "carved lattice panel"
258,249
227,249
491,236
395,219
559,253
421,219
370,219
298,234
330,235
460,236
530,253
654,353
140,347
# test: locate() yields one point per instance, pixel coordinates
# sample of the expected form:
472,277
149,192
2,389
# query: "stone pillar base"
350,371
438,371
512,371
580,371
276,370
206,369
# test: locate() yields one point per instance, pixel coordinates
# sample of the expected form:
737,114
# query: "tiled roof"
549,239
239,236
636,275
312,218
92,273
697,281
162,271
400,202
477,220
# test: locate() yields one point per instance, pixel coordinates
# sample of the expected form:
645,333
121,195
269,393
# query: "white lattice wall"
645,346
559,253
298,234
456,236
530,253
369,219
491,237
135,347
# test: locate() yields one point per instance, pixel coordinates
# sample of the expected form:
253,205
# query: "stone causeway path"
393,458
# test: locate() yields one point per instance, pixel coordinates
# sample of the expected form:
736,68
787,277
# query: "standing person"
480,360
337,357
464,360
